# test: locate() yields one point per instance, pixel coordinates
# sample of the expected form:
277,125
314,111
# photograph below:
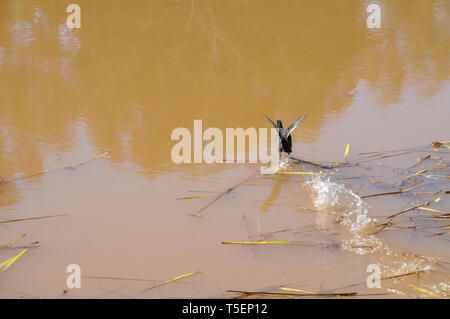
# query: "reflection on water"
163,64
134,72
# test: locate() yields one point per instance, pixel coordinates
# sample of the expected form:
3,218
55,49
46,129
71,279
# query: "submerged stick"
383,278
311,163
120,278
249,234
7,245
215,199
264,236
408,209
54,170
411,149
400,191
419,161
30,245
381,157
420,206
381,194
171,280
30,218
343,294
406,274
279,242
116,291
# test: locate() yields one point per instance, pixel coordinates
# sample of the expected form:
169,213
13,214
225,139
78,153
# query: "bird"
285,134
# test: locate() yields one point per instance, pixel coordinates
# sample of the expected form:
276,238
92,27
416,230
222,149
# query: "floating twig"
7,263
347,149
193,197
430,210
296,290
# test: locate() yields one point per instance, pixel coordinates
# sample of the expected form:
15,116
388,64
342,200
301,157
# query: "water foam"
347,209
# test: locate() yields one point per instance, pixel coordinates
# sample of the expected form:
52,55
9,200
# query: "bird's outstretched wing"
268,118
295,123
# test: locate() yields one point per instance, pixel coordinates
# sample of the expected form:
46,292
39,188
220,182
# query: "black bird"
285,134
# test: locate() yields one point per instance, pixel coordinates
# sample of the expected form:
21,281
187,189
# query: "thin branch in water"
215,199
311,163
171,281
408,209
274,242
113,292
55,170
381,157
249,234
400,191
419,161
383,278
120,278
30,218
343,294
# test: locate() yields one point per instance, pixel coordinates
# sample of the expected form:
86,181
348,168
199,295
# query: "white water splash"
345,208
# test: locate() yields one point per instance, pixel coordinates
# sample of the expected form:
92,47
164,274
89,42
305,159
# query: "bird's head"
279,124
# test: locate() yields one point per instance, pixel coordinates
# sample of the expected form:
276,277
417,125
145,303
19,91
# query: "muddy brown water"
135,71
